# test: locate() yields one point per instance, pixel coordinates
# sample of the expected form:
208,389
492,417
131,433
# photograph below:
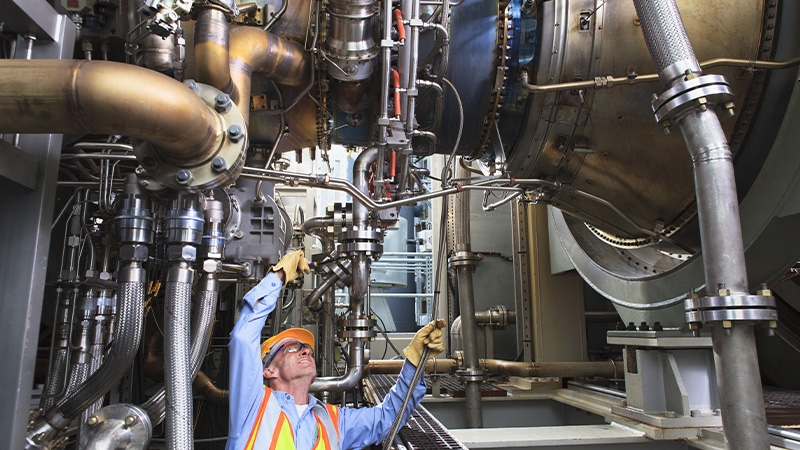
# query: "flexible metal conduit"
743,416
126,341
101,97
177,371
202,325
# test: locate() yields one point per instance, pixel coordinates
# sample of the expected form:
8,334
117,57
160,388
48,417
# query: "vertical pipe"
177,370
411,87
739,383
466,301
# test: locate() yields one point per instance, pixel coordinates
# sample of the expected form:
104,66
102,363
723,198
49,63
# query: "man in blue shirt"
283,415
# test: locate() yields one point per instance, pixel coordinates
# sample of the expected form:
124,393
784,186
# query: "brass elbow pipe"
101,97
606,369
255,51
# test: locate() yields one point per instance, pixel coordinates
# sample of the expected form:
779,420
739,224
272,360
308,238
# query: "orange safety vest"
273,426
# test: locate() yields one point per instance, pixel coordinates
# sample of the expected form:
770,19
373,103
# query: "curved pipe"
315,226
209,390
101,97
353,375
255,51
361,181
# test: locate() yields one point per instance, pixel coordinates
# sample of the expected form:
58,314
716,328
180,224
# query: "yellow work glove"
294,265
428,336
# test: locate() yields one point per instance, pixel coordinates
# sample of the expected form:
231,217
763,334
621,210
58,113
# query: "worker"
282,414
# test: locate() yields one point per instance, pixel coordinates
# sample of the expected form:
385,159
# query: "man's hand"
294,266
428,336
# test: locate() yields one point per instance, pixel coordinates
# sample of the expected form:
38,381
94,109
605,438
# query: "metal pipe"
466,301
101,97
611,81
606,369
411,90
316,226
211,49
353,375
256,52
739,383
209,390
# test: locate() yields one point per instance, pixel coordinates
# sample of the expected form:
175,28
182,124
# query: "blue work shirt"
358,428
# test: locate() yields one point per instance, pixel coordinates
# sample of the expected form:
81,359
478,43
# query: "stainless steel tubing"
54,387
177,370
466,301
412,68
316,226
314,300
352,376
361,182
743,415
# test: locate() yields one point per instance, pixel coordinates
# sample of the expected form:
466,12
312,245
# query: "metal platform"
422,431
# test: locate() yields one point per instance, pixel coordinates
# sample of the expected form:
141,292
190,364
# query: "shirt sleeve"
364,426
246,373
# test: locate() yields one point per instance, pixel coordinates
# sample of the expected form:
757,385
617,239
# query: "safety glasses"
289,347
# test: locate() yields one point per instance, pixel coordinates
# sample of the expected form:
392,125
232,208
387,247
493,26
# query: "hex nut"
222,102
182,252
235,133
219,164
134,252
183,176
210,265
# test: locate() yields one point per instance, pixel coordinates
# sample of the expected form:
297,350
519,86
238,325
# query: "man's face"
289,366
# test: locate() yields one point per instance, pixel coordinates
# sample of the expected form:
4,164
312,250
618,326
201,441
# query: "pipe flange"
463,258
367,242
729,308
358,328
118,426
470,375
689,94
219,167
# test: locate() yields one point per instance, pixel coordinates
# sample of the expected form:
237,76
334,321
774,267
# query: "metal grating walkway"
423,431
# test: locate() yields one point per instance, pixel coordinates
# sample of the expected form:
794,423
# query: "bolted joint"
222,103
134,252
92,420
729,109
183,176
182,253
665,126
219,164
191,84
130,421
235,133
211,265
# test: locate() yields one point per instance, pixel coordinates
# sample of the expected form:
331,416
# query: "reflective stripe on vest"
272,426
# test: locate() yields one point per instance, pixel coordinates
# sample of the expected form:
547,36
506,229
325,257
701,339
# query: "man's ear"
270,373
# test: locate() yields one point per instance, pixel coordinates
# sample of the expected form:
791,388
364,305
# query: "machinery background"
496,163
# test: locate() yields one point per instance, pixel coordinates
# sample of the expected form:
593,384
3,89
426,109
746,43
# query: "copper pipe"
209,390
101,97
254,51
211,38
392,366
607,369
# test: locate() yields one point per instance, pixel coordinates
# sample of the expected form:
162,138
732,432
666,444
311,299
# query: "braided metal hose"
387,442
55,382
202,321
666,37
177,370
123,349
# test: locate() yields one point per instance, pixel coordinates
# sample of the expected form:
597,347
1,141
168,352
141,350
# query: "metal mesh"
177,370
126,341
664,33
422,431
55,382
